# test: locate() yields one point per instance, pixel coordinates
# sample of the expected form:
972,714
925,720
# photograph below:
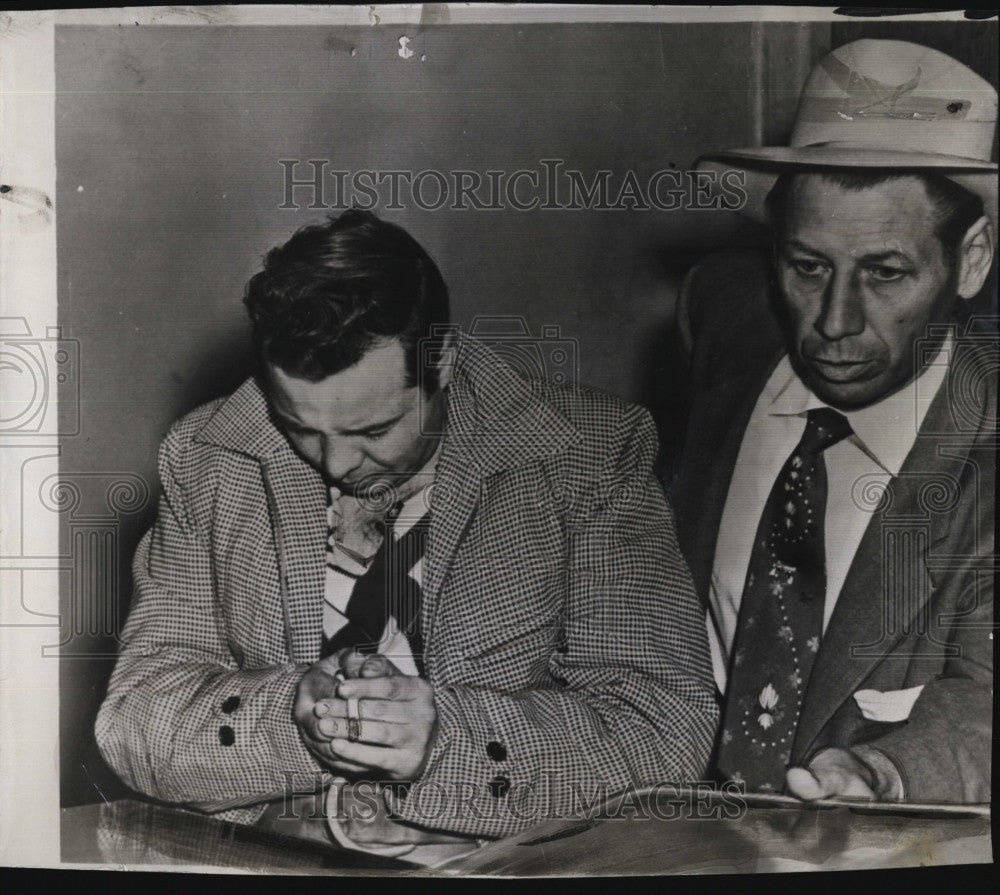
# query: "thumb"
379,666
330,665
804,784
350,661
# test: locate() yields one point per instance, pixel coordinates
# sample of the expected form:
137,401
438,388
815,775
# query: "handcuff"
331,808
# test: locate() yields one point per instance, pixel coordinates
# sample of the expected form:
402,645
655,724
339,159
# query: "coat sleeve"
634,704
181,722
943,752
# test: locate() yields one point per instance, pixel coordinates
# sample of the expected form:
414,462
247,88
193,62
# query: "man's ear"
445,364
975,256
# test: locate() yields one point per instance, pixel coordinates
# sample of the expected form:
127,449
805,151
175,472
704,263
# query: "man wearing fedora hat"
835,495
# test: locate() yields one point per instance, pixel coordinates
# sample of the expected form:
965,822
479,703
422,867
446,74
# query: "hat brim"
845,155
761,167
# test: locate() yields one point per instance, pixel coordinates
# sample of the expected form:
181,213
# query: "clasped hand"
833,773
395,724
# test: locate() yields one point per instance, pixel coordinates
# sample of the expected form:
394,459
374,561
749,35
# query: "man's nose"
842,313
340,458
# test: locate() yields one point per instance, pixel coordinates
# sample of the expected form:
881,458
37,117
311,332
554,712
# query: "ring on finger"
353,729
353,719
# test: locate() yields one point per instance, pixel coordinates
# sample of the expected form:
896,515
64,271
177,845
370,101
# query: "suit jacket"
563,637
916,607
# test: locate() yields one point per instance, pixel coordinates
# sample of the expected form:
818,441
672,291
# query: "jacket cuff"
468,787
250,731
396,795
888,779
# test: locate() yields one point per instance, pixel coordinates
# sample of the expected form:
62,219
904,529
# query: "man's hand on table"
833,773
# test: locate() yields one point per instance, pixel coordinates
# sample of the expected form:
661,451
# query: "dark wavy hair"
955,207
326,296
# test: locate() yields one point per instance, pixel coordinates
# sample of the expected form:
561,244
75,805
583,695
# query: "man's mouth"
839,370
347,488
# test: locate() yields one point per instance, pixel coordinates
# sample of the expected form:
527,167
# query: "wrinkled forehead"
894,214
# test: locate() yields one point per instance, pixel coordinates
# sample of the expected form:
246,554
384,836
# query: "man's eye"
885,274
806,267
375,436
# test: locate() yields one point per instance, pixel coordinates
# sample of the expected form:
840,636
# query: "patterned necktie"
781,615
387,589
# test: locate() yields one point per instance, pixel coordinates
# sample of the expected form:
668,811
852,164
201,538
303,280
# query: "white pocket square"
887,705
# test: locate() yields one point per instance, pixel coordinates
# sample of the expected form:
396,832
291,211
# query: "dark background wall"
168,194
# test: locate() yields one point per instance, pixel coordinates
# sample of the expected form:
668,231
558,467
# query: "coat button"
499,786
231,705
227,736
496,751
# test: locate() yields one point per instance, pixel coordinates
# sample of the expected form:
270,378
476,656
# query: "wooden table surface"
662,836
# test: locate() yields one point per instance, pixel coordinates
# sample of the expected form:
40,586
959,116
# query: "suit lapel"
880,599
297,507
496,421
297,499
453,500
719,421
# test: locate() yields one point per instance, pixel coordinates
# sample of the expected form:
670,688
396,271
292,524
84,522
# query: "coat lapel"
453,501
496,421
297,503
721,417
296,500
879,600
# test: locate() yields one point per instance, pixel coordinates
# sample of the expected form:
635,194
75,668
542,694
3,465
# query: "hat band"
961,138
906,108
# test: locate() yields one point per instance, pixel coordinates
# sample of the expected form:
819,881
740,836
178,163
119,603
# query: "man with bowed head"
356,569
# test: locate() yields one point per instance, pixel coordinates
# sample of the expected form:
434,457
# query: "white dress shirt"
857,468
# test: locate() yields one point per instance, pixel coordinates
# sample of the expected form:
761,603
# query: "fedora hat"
881,104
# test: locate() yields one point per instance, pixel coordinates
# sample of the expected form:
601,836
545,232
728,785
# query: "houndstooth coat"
563,638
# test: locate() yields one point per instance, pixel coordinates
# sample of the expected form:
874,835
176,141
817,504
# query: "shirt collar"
886,430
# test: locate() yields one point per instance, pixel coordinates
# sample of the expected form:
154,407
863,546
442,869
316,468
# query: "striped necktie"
386,591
